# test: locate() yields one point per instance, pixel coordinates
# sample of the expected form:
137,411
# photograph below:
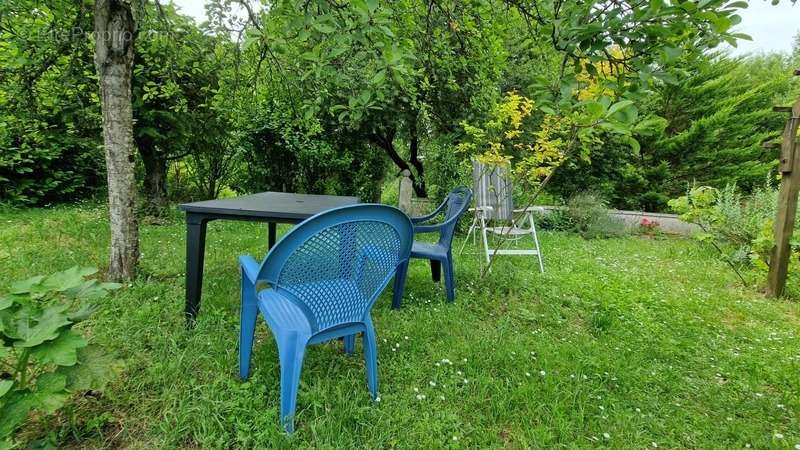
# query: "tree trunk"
386,143
155,175
419,181
212,193
115,33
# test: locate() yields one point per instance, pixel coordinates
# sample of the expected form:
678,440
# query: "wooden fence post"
789,167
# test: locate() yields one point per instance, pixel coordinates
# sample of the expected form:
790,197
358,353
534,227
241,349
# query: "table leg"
195,256
273,231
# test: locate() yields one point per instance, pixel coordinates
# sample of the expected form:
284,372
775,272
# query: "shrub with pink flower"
648,226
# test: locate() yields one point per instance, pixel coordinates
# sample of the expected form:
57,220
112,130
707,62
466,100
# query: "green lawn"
622,343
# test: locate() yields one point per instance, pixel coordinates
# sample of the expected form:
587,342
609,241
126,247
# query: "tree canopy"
326,96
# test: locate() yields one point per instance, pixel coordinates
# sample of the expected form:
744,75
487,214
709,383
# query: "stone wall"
668,223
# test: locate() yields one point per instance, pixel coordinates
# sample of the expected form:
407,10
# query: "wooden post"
789,166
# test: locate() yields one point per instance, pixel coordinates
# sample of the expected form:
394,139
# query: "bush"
40,163
588,214
284,154
741,220
445,169
740,225
554,219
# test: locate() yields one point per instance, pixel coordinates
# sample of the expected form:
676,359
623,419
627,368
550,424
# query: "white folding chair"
495,215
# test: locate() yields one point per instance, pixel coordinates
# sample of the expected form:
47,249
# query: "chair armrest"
428,228
249,267
538,209
482,209
437,227
416,220
430,216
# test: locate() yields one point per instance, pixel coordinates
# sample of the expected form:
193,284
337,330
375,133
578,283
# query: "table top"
270,205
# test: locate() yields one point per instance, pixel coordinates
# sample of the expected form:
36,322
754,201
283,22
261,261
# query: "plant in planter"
43,358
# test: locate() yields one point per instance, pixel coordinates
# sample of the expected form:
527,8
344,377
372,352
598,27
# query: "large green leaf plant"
43,358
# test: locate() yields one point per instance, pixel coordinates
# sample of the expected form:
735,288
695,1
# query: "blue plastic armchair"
440,253
319,283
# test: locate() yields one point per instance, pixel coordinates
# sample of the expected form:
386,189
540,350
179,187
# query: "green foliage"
398,77
49,117
740,224
444,168
184,103
587,214
38,164
556,219
50,132
395,78
282,153
719,119
707,128
44,358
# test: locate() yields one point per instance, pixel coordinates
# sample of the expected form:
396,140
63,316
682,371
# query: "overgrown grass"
622,343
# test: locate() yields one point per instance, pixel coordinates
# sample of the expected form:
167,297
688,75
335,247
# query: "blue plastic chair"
440,254
319,283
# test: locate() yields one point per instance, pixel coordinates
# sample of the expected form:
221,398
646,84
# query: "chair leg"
436,270
371,358
291,349
472,232
247,327
449,280
350,343
399,285
536,242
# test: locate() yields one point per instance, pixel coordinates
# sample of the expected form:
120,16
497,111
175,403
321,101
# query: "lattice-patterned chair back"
458,200
493,188
334,266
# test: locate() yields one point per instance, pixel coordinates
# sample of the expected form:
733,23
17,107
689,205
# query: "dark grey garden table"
271,207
